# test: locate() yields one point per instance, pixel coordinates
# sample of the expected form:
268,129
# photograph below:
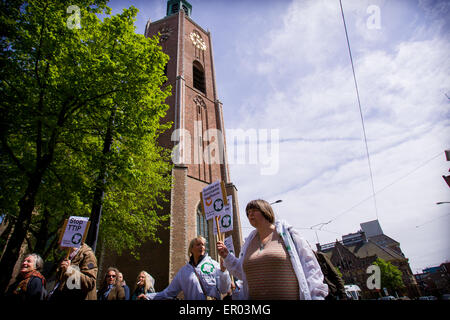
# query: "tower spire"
173,6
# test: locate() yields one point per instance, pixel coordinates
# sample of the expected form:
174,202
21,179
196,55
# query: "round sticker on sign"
76,238
207,268
218,205
226,221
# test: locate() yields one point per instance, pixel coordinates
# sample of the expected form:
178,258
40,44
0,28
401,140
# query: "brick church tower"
197,137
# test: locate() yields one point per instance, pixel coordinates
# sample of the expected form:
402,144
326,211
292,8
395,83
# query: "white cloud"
285,65
310,96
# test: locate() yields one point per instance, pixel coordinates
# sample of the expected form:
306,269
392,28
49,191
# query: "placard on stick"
213,199
229,244
75,232
226,217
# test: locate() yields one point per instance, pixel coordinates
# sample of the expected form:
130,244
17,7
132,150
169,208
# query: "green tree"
62,88
391,276
338,272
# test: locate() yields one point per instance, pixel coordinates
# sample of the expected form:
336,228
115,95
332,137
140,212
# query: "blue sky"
284,65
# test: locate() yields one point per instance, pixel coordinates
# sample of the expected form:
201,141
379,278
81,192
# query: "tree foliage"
60,89
391,276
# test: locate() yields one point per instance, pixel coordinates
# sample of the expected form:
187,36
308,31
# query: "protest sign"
213,199
229,244
225,217
75,231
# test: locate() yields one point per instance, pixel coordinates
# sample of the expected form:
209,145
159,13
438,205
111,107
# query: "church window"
165,70
199,77
202,226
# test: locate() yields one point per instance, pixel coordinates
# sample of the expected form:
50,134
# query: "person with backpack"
30,283
275,261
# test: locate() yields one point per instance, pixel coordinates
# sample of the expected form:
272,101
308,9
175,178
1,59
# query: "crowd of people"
275,263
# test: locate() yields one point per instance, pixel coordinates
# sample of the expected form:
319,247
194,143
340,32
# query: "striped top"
269,271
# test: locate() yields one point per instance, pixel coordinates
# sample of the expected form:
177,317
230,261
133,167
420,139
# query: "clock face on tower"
197,40
165,33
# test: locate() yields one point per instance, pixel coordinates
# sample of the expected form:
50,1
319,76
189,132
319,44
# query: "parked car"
353,292
404,298
388,298
445,296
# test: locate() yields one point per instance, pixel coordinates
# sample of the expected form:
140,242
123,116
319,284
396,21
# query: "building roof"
371,248
371,228
384,240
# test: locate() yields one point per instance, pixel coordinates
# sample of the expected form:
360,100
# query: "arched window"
165,70
198,74
202,226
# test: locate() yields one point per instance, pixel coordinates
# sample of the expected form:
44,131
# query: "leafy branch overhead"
59,87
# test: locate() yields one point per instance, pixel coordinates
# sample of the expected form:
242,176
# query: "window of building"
202,226
199,76
186,11
165,70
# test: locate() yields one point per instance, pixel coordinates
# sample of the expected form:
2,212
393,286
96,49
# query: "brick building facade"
357,251
435,281
197,137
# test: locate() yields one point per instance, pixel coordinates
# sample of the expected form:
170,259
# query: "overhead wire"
426,222
360,110
387,186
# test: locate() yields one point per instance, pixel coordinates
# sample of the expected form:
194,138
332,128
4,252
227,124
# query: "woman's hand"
222,249
142,297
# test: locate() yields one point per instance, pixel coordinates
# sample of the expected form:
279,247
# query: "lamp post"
278,201
441,202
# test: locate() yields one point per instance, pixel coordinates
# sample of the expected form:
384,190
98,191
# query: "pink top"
269,271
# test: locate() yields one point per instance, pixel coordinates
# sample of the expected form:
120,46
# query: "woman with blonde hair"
201,278
144,284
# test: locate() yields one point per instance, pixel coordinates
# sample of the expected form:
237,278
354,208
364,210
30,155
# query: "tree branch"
13,157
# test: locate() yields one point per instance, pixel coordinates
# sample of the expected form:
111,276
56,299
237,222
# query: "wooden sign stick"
69,251
218,228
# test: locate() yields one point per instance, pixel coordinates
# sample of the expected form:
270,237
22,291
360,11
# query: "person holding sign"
77,276
77,273
275,262
201,278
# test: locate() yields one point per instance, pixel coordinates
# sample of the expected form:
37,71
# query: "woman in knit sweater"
275,262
